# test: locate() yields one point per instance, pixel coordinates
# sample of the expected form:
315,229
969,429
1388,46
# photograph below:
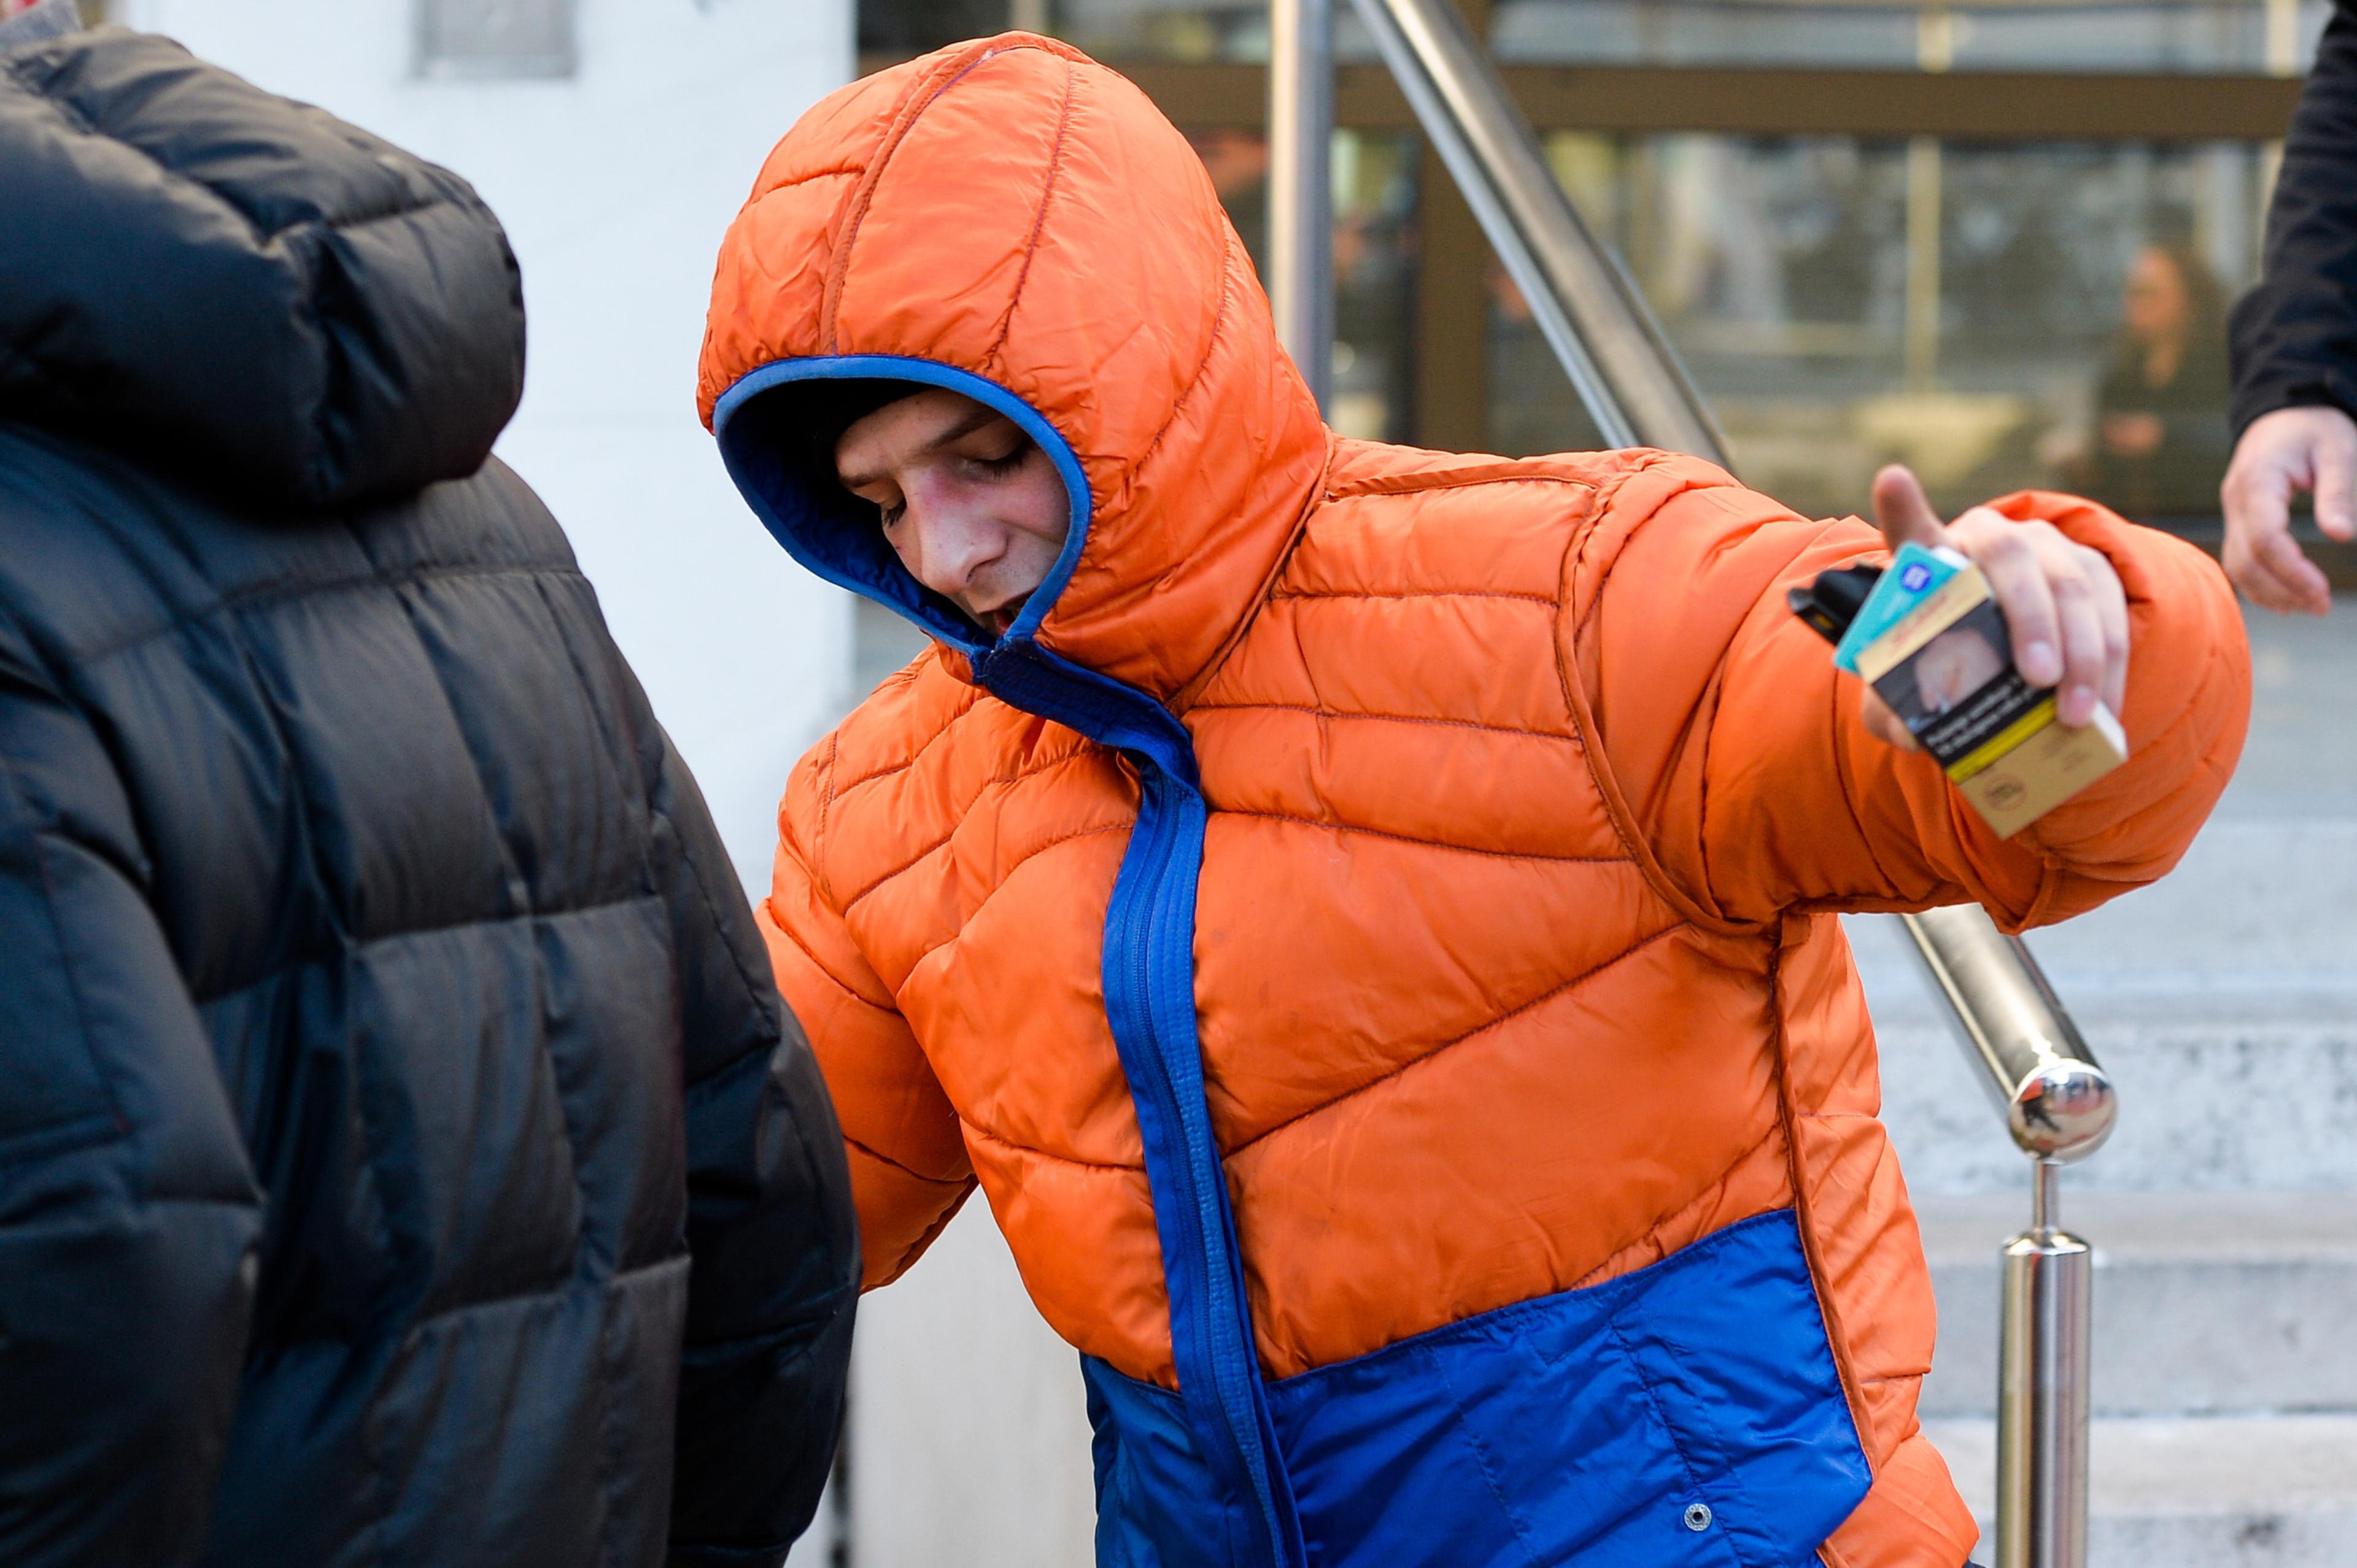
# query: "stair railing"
2058,1104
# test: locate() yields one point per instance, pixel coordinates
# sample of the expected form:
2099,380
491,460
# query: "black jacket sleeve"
775,1270
128,1212
2295,336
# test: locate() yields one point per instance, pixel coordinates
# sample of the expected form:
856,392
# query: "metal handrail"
1300,185
2057,1101
2060,1107
1589,311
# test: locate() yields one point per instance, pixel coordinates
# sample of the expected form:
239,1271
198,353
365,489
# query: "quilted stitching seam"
1404,593
884,1159
1027,858
840,172
972,702
1447,479
1385,718
1186,393
1034,1151
1651,1235
271,595
1503,1018
971,806
921,96
787,930
1431,843
1039,221
79,119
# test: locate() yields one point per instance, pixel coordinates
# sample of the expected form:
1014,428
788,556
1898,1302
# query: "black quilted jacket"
2294,336
405,1158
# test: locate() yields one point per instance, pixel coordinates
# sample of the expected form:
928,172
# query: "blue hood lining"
837,535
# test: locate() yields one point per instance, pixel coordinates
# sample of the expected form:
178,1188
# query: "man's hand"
2292,449
2063,603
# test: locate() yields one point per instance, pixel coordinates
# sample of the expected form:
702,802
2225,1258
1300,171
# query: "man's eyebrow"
958,432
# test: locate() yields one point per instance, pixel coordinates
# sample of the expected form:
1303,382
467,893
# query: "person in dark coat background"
2160,408
404,1156
2294,341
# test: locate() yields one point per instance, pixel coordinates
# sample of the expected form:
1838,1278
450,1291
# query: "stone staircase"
2224,1211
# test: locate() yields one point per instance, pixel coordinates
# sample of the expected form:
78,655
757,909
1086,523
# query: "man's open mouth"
998,620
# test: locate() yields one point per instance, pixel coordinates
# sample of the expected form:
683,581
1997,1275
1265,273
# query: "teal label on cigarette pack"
1914,574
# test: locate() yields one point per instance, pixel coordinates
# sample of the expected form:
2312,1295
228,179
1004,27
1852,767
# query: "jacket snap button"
1697,1515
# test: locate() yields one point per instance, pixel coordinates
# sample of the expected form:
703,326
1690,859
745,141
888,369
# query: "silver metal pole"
1300,187
1590,314
2060,1107
2056,1102
2043,1407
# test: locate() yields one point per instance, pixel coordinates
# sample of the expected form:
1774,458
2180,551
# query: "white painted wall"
970,1431
616,186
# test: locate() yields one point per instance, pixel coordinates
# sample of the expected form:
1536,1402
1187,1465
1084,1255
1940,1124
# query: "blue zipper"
1148,962
1148,969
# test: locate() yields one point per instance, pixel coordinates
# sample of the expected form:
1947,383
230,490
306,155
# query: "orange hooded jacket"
1369,926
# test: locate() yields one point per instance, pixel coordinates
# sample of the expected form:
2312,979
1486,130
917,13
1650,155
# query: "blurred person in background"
2160,444
2295,347
28,21
404,1156
1365,918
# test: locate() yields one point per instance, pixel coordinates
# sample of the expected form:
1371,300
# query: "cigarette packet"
1938,652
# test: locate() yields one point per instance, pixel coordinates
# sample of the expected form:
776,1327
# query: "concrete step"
2205,1303
2270,896
2223,1000
2205,1103
2224,1492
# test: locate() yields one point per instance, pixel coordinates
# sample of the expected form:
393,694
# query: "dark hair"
823,410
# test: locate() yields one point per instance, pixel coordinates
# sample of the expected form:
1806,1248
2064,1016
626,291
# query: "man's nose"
955,540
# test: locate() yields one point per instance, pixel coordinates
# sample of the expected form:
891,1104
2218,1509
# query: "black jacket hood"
242,286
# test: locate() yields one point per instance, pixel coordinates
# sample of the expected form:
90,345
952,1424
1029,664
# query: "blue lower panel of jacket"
1688,1414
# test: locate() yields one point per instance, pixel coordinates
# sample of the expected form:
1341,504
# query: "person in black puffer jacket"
405,1158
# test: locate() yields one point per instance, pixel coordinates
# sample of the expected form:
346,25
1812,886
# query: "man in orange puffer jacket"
1366,916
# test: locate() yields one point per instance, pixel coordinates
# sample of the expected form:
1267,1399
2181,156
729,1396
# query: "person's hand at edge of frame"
2063,604
2310,447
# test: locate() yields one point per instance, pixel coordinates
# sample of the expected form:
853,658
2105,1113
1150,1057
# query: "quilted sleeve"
774,1257
908,1166
1734,752
129,1216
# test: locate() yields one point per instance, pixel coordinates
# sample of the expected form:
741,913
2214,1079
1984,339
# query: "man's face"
973,506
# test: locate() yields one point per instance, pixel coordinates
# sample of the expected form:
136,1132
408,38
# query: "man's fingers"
2336,480
2018,579
2285,451
2260,557
2079,624
2294,581
1903,511
2248,569
2112,612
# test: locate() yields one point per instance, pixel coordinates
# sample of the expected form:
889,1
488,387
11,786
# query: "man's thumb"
1903,510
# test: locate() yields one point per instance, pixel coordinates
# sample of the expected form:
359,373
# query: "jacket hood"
1013,220
241,285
